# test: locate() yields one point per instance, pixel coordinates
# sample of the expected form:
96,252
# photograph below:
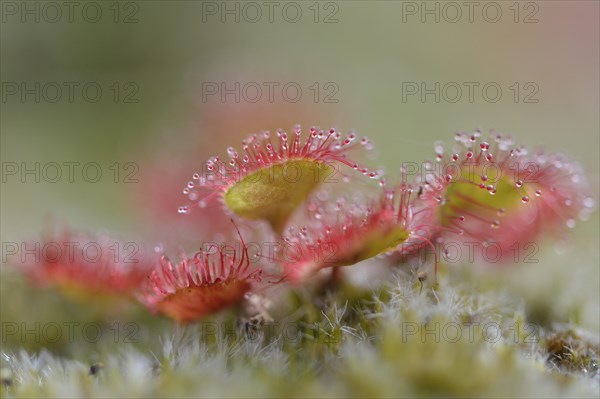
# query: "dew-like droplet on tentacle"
183,209
588,202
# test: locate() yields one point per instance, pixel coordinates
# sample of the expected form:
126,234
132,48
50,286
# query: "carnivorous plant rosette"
397,222
269,181
210,281
496,193
86,267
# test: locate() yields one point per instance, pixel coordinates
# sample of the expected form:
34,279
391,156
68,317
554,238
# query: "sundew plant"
299,199
292,317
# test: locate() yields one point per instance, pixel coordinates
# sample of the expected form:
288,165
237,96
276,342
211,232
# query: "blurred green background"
353,61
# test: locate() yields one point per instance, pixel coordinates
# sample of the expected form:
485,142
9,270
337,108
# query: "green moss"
571,352
391,342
